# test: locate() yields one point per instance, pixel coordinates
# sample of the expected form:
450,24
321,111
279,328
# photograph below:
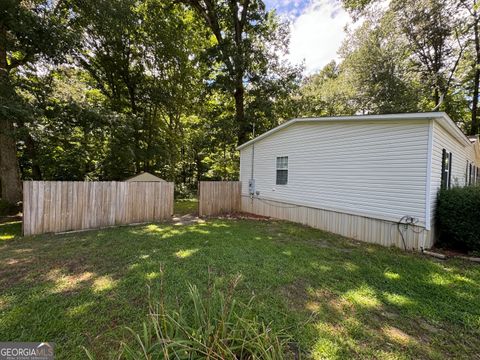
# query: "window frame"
446,176
283,167
470,174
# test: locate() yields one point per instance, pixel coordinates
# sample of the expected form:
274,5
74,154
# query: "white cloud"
317,34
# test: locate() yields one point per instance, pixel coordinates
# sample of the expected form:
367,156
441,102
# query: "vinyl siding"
376,169
442,139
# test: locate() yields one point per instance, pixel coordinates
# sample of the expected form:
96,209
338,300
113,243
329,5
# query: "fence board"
218,197
57,206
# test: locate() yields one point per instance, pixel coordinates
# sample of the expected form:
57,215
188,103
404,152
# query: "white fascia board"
407,116
453,129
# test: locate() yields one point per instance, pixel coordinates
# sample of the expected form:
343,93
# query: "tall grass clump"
208,326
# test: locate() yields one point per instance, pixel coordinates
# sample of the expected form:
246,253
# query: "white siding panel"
370,168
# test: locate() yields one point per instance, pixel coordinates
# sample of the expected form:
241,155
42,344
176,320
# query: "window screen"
446,169
470,177
282,170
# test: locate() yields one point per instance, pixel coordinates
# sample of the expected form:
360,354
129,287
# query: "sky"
317,30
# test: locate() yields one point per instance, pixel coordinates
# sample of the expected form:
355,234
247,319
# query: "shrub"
214,326
184,191
458,218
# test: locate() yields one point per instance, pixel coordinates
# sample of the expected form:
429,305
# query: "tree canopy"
104,89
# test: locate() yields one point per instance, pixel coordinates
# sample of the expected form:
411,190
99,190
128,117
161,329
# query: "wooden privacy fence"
56,206
218,197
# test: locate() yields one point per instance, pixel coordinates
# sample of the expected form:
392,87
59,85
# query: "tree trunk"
243,126
9,169
436,97
474,129
31,151
11,185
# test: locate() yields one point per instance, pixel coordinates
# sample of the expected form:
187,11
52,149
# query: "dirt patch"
296,293
243,216
301,297
284,238
324,244
12,271
395,334
428,327
187,219
389,315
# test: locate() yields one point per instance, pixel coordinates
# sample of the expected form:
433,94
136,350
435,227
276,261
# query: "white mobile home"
363,177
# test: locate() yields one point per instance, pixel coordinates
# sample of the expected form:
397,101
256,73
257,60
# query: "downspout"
253,152
253,165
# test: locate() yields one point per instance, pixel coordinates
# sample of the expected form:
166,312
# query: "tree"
434,39
473,22
145,59
29,30
327,93
248,41
435,33
376,64
374,76
68,123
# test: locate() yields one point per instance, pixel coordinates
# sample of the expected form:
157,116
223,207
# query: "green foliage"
33,29
248,42
406,56
145,88
376,65
217,327
104,89
327,93
357,5
374,77
65,135
457,218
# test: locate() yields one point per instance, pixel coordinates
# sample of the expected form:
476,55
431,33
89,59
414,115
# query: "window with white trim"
282,170
446,169
471,174
467,178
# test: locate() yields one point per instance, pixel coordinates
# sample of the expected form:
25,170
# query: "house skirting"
375,231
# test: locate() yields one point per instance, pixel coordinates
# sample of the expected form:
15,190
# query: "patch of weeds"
212,326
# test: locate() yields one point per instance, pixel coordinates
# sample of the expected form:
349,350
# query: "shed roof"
144,176
442,117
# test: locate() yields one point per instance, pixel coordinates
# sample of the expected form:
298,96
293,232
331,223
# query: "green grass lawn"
186,206
337,298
